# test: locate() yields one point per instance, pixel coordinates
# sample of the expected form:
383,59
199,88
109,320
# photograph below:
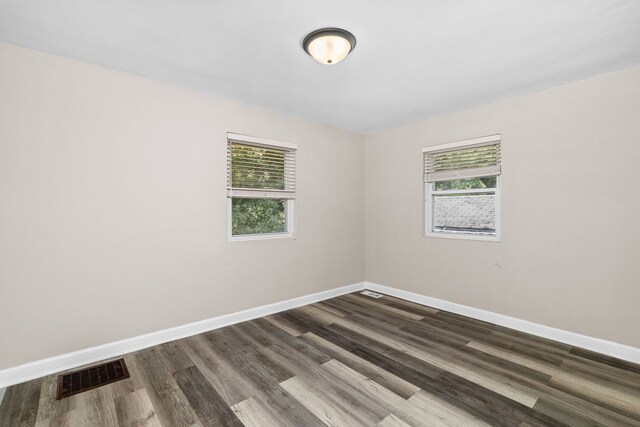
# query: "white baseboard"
598,345
75,359
86,356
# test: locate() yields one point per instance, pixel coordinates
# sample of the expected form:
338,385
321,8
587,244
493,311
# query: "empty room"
330,213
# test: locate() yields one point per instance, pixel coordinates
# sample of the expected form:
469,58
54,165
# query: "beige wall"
570,255
113,189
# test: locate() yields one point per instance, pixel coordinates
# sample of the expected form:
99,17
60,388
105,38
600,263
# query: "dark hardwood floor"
349,361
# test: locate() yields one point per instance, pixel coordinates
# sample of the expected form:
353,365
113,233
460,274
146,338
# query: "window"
462,189
261,187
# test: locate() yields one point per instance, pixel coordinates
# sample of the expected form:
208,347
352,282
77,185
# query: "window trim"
467,143
254,140
289,205
428,190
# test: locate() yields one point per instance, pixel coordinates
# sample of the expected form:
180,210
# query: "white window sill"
266,236
462,236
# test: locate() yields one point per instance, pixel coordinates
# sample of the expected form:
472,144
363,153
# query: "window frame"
430,191
289,215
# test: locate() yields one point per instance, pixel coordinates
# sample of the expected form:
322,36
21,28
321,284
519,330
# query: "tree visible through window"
466,184
261,188
258,216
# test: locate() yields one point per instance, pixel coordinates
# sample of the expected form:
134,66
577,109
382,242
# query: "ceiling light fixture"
329,45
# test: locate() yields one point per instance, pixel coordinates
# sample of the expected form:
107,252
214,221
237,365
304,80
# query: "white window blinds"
464,159
260,169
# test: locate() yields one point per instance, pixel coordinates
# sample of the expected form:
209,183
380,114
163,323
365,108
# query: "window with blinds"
465,162
261,186
462,189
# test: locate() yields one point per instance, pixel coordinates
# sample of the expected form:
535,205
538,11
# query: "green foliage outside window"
467,184
257,216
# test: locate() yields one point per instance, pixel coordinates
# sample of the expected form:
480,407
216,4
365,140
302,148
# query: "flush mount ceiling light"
329,45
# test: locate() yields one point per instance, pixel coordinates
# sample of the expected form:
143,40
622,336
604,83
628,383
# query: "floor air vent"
371,294
90,378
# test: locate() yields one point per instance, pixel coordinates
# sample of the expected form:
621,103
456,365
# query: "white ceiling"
413,59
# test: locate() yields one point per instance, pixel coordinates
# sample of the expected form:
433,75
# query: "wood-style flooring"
349,361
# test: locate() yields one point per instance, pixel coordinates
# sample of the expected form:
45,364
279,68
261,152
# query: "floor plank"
20,404
322,405
97,408
253,413
208,405
170,403
136,409
392,421
397,385
275,408
415,415
446,411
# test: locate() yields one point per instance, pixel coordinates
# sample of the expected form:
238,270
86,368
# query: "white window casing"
473,158
276,180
